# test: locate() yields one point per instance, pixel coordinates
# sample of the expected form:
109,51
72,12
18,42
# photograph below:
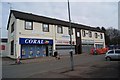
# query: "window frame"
96,35
69,30
83,33
90,34
26,24
101,36
43,27
61,27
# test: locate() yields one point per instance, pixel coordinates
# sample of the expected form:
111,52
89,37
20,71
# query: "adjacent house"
3,47
31,35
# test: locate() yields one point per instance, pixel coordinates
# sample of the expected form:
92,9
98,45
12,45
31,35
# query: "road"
33,69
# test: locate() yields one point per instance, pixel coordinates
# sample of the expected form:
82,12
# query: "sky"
90,13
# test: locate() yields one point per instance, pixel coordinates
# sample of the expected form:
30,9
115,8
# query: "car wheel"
108,59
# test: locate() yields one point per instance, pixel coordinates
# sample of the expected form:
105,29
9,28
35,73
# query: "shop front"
32,47
87,45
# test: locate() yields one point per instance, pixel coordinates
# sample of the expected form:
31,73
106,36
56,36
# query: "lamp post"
70,30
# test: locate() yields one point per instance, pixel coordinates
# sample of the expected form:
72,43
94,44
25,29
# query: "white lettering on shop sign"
31,41
26,41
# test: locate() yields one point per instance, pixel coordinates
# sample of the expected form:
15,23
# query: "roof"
43,19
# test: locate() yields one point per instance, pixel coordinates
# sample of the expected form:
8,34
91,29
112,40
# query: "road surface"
85,66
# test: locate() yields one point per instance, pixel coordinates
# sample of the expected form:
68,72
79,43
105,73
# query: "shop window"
83,33
96,35
12,27
46,27
99,46
59,29
90,34
12,47
2,47
28,25
101,36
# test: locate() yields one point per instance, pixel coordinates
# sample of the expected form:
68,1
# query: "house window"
96,35
28,25
69,31
90,34
45,27
12,27
101,36
83,33
12,47
59,29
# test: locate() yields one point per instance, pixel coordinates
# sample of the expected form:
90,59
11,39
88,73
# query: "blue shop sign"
34,41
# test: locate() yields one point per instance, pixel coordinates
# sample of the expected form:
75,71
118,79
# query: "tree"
107,38
98,27
103,29
114,36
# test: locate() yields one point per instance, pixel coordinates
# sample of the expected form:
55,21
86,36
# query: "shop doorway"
49,49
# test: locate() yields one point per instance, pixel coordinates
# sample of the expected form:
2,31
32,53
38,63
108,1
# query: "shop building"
91,39
32,36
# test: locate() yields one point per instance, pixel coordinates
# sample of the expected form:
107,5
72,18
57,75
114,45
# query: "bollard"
71,58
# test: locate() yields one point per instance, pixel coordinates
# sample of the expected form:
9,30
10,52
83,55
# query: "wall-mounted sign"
34,41
87,41
65,36
62,42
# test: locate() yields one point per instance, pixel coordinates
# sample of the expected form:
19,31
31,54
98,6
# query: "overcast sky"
95,14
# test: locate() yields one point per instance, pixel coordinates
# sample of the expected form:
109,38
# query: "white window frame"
28,25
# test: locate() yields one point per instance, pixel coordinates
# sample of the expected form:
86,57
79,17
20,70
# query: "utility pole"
70,30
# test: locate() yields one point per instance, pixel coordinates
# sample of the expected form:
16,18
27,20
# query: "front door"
78,41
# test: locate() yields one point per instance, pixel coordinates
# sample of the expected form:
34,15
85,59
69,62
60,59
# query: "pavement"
9,61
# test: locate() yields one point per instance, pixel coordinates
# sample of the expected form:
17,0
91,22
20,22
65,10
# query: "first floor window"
45,27
70,30
59,29
28,25
12,47
90,34
12,27
96,35
83,33
101,36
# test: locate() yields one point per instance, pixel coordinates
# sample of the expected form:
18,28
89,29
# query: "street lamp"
70,30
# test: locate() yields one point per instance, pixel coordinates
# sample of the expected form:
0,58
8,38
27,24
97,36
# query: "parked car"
112,54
